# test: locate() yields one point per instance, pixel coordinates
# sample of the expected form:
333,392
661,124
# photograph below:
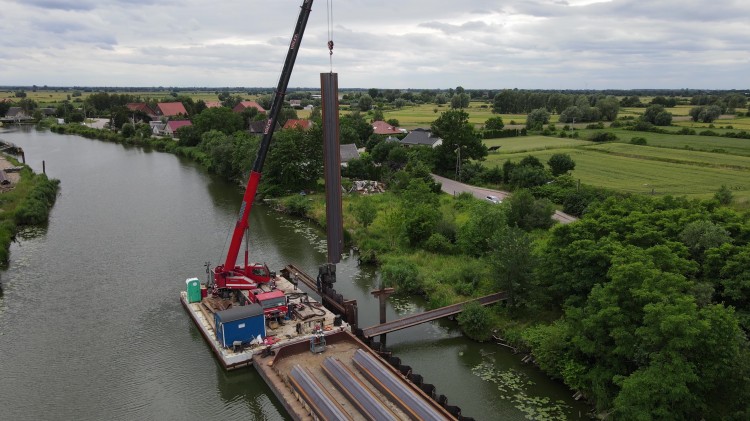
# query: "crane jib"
242,212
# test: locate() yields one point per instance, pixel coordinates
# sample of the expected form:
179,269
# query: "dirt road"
454,187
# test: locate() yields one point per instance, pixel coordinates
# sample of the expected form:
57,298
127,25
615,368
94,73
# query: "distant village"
166,118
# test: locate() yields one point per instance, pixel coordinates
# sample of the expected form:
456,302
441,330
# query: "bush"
438,243
402,274
603,137
638,141
476,321
297,205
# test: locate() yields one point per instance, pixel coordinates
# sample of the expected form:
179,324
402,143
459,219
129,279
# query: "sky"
420,44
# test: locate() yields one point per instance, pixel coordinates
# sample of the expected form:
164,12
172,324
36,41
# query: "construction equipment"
229,275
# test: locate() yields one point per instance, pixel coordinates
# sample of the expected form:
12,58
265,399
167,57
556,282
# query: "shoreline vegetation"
27,202
644,293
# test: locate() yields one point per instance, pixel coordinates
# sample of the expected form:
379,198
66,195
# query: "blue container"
241,323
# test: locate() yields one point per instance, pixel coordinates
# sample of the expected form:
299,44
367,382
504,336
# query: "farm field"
675,141
644,174
705,159
411,117
532,143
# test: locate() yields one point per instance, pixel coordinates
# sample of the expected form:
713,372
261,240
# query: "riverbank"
25,200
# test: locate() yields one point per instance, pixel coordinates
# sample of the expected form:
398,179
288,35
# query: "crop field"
411,117
533,143
690,142
643,172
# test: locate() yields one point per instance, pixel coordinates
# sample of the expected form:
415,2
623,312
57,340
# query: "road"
454,187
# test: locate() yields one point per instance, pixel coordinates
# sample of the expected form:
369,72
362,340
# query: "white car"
494,199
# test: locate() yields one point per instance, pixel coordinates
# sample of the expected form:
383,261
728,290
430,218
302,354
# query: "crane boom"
228,275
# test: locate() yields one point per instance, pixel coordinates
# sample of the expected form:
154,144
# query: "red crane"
229,275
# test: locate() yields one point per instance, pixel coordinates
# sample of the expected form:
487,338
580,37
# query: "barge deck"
312,316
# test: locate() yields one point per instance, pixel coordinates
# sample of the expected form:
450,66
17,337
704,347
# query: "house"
157,127
421,137
212,104
173,125
348,152
259,126
171,109
142,107
383,128
295,102
302,124
242,106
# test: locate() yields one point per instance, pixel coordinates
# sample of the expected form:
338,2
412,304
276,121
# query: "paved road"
454,187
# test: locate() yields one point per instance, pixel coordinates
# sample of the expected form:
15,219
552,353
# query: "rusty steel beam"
329,89
356,392
416,407
428,316
318,399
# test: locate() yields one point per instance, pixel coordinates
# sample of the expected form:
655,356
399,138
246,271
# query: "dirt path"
454,187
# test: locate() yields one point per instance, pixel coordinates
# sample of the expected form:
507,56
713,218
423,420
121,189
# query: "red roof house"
173,125
247,104
381,127
141,106
212,104
302,124
171,109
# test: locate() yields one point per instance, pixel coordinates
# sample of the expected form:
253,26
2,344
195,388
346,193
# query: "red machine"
247,277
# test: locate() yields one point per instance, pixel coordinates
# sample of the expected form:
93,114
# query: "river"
91,327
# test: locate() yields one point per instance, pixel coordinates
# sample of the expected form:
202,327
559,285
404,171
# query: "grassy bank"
27,203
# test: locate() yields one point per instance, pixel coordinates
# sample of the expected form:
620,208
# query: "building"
142,107
348,152
259,126
242,106
171,109
421,137
174,125
295,124
212,104
382,128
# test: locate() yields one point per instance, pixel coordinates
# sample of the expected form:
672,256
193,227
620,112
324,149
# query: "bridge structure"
429,316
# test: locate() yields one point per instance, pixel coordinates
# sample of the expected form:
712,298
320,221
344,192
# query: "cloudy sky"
554,44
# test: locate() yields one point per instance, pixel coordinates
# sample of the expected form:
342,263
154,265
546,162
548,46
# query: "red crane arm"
252,184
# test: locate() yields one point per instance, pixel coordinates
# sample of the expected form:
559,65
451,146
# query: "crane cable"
329,17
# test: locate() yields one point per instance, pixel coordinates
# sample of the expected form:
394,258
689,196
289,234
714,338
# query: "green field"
411,117
532,143
647,170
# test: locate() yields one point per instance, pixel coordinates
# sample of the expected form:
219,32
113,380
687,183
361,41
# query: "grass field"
646,170
423,115
532,143
699,143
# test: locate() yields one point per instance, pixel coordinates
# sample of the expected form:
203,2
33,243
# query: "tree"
377,115
571,115
537,119
365,102
494,123
460,100
513,263
295,161
219,118
656,115
365,211
609,107
724,195
561,163
705,114
528,213
454,128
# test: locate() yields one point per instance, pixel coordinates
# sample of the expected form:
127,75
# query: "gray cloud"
399,44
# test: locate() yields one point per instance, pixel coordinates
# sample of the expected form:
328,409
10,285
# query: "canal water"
91,326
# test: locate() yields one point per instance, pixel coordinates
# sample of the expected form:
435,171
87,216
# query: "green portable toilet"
193,290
